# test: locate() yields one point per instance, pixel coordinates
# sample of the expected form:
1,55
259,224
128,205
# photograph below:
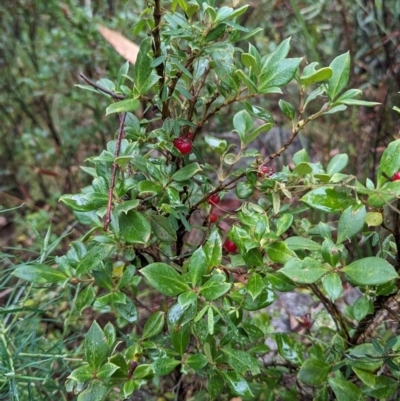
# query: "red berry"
214,199
396,176
184,145
212,218
230,246
267,171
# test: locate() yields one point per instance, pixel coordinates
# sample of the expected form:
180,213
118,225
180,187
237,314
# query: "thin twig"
121,133
101,88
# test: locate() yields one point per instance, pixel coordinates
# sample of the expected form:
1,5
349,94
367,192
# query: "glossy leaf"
330,252
81,374
255,285
327,200
96,347
351,222
373,219
306,271
362,307
197,266
213,249
345,390
340,75
215,287
243,123
94,258
337,163
385,194
142,71
237,383
320,75
162,228
287,109
40,274
196,361
164,366
123,106
128,311
244,190
370,271
241,361
313,372
106,371
389,163
134,227
333,286
153,326
165,279
383,389
85,202
301,243
279,74
279,252
289,349
180,338
187,172
95,391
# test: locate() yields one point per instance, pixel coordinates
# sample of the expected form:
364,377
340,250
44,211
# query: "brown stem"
121,133
101,88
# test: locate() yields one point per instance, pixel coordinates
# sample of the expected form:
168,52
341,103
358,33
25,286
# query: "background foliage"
49,128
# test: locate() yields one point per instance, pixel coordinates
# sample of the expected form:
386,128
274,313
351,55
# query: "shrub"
189,295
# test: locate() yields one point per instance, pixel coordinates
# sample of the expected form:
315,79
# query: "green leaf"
215,385
96,347
303,169
385,194
40,274
197,266
196,361
244,190
250,62
370,271
365,356
241,361
134,227
365,376
187,172
81,374
306,271
283,224
237,384
300,157
128,311
251,136
301,244
345,391
225,69
278,54
255,285
213,250
330,252
154,325
313,372
351,222
95,391
215,33
124,207
144,371
219,145
332,285
142,71
279,73
362,307
287,109
85,298
320,75
243,123
106,371
149,187
180,338
327,200
289,349
356,102
123,106
85,202
340,75
215,287
373,219
337,163
389,163
164,366
94,258
279,252
162,228
165,279
383,389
